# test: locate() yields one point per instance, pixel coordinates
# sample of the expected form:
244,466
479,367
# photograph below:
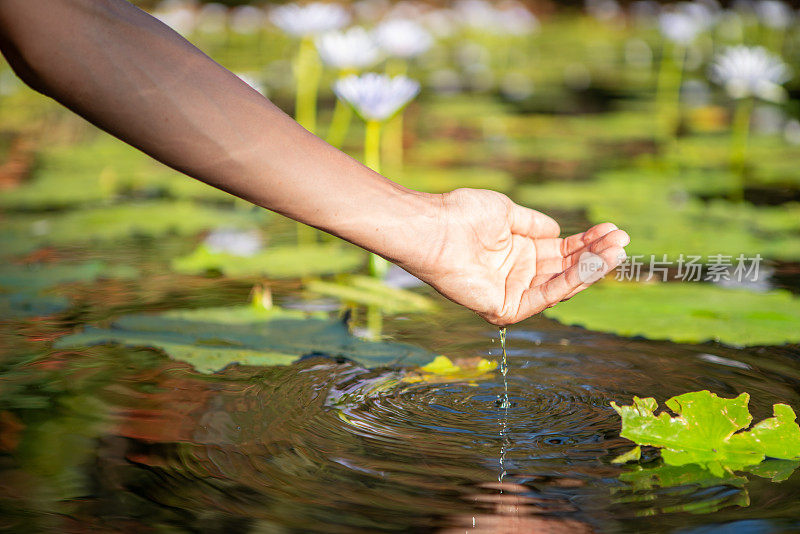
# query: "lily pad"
36,277
110,223
708,430
685,313
28,305
248,337
662,216
275,262
371,292
100,170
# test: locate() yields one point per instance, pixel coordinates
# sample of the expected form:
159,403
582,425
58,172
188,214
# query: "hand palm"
506,262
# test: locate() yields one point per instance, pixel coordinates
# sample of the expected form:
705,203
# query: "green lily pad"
33,278
662,216
275,262
685,313
248,337
110,223
371,292
709,431
28,305
100,170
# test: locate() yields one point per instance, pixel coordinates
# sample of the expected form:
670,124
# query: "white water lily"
774,14
351,49
246,19
751,71
376,97
242,243
509,18
403,38
679,27
310,19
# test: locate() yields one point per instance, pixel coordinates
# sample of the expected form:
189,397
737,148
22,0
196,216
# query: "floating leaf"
442,369
103,169
371,292
275,262
633,455
685,313
672,221
249,337
35,277
111,223
26,305
707,431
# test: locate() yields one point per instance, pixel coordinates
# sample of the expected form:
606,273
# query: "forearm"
132,76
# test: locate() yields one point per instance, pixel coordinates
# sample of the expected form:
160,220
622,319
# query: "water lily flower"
212,18
509,18
311,19
246,19
376,97
403,38
353,49
242,243
513,18
679,27
774,14
603,10
751,71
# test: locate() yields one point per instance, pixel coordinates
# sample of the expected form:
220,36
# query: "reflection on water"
111,438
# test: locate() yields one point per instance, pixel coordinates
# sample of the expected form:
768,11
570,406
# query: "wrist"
397,223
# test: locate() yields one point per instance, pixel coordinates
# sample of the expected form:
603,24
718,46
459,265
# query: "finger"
576,242
540,297
558,264
619,260
559,248
531,223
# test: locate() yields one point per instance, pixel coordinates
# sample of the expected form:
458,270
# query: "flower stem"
372,159
372,145
668,92
307,69
740,133
340,123
393,134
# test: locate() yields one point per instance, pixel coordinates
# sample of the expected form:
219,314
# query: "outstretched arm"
134,77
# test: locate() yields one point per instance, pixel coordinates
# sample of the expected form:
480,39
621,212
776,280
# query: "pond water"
125,439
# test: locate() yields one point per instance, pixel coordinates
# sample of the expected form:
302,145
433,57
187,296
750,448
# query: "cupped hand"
507,262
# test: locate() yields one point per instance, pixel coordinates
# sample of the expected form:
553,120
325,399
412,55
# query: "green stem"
740,133
340,123
307,70
374,321
372,145
372,159
393,144
668,92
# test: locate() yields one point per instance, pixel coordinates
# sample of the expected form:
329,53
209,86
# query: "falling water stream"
504,405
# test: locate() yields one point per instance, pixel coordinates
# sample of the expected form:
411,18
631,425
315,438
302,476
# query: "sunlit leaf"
372,292
708,431
248,336
685,312
275,262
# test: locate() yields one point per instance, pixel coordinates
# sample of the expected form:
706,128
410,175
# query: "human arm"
132,76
